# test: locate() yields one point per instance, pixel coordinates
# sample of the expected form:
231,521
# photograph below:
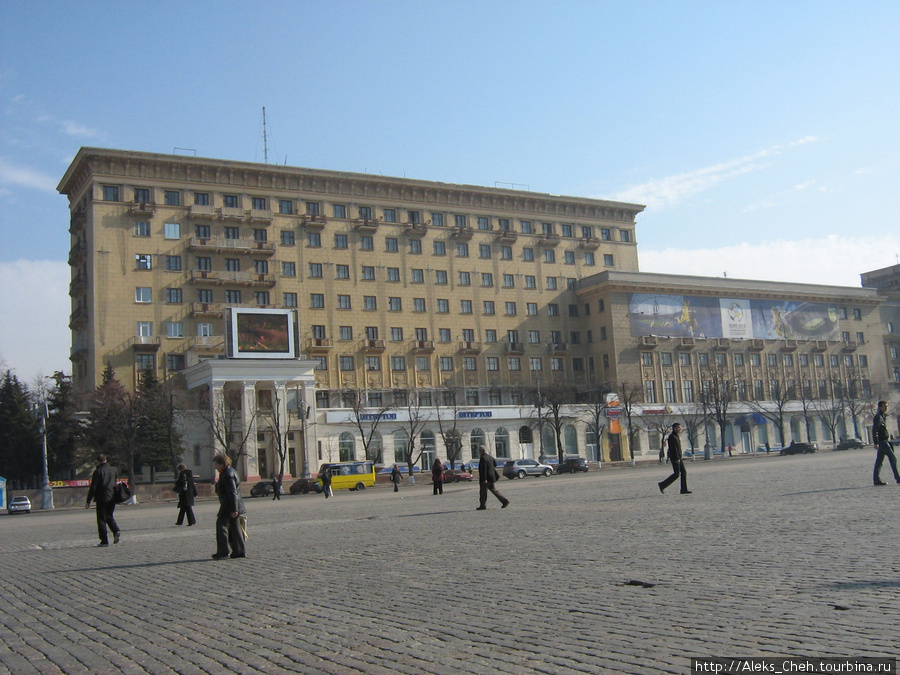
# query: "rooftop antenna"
265,139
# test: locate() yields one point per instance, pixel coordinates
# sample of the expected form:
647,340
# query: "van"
348,475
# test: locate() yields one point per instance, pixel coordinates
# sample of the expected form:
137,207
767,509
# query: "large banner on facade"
712,317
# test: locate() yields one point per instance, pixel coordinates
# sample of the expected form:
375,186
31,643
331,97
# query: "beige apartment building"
467,298
398,284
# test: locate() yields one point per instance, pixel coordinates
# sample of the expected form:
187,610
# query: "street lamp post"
46,491
539,404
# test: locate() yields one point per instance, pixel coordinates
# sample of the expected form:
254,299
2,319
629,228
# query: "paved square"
771,556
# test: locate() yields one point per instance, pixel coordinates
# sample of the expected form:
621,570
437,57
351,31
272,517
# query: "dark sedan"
572,465
262,489
796,448
849,443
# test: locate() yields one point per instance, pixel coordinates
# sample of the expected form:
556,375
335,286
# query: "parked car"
302,486
799,448
262,489
572,465
456,476
19,504
849,443
526,467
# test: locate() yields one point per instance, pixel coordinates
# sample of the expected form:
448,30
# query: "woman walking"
186,491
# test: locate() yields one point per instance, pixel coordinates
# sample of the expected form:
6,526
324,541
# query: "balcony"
216,277
207,308
231,213
261,216
142,208
423,346
649,341
311,222
76,254
757,345
515,348
684,344
721,344
373,346
224,245
415,229
205,343
203,211
558,348
589,243
145,343
507,236
79,318
850,346
789,346
470,348
549,240
365,225
78,284
319,345
820,346
77,220
462,233
78,351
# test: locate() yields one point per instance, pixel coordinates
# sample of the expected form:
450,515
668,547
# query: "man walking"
677,462
882,443
102,490
487,479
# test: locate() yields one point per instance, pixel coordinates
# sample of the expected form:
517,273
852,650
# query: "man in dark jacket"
883,443
677,462
487,479
102,490
231,506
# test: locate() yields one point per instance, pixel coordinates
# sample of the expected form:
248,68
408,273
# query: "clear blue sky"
762,136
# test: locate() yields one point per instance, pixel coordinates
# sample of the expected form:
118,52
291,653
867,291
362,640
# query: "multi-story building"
398,284
887,282
804,357
441,302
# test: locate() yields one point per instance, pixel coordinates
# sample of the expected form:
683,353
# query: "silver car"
20,504
526,467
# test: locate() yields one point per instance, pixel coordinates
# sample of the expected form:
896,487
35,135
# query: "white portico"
256,411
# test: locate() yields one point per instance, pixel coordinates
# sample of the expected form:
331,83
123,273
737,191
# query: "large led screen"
261,333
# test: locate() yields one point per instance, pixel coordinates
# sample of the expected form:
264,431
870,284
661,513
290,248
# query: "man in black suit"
487,479
883,444
677,462
102,491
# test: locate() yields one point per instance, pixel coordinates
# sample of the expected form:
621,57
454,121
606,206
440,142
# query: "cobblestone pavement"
599,572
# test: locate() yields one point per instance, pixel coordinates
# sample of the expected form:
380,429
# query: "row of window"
755,359
348,362
388,215
773,390
391,244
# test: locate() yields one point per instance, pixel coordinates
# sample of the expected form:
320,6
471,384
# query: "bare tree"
555,397
225,417
272,420
775,409
661,424
829,406
694,422
807,398
449,428
366,421
718,394
629,396
594,404
415,422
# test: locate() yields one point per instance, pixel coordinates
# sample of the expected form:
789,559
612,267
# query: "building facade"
446,311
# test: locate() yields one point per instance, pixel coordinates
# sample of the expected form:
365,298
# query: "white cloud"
77,130
24,177
34,316
661,192
835,260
